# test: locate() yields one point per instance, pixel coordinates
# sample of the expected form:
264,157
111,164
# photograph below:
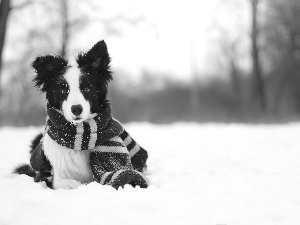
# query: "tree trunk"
194,94
65,27
4,12
259,85
235,78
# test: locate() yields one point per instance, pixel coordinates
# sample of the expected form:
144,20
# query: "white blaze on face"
75,97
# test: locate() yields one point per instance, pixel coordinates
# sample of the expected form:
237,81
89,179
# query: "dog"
82,142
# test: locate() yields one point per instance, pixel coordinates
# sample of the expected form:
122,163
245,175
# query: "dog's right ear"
47,69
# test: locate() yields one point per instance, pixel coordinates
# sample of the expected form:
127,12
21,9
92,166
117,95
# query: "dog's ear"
96,61
47,69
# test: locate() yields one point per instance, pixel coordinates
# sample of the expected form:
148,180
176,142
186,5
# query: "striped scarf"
85,135
115,158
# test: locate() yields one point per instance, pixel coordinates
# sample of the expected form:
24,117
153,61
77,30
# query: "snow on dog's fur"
79,91
82,142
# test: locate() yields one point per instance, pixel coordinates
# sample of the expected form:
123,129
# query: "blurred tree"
282,34
64,5
64,23
229,49
48,27
194,90
259,85
4,13
232,41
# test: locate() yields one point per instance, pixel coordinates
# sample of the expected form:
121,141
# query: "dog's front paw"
66,184
132,177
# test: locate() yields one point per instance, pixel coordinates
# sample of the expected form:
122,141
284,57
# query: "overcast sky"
174,32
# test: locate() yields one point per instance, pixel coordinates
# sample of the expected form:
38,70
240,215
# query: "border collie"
81,142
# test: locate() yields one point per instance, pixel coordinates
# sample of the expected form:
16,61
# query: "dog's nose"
76,109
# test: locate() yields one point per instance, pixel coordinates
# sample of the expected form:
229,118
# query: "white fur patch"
75,97
71,168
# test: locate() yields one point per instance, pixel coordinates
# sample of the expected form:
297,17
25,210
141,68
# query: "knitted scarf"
85,135
115,158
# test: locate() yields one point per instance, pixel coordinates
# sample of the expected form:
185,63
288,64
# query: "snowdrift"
199,174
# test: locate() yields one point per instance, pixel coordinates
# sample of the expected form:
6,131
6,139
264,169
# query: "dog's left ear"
96,61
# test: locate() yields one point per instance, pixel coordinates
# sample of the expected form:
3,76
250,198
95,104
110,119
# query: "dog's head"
79,91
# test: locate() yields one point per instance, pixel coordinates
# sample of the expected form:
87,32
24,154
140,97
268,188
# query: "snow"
208,174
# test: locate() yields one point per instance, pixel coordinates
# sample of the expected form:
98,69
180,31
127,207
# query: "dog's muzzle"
76,110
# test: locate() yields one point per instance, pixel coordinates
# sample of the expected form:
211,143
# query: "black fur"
29,171
96,74
48,69
96,93
38,176
49,78
35,142
96,62
25,169
94,66
95,71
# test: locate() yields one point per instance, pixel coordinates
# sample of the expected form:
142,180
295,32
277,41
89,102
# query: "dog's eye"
64,91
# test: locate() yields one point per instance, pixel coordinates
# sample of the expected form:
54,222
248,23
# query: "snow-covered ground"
199,174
